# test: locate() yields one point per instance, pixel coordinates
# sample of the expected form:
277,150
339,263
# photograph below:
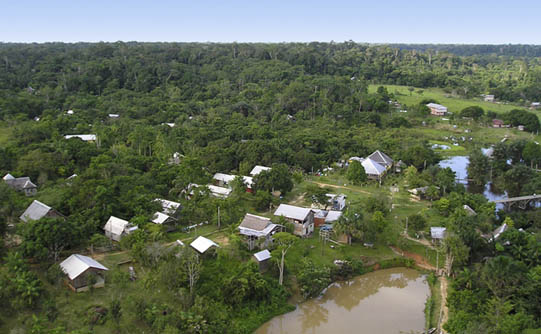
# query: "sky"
390,21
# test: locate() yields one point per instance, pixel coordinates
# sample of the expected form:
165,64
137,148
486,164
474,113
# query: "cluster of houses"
222,186
23,184
377,164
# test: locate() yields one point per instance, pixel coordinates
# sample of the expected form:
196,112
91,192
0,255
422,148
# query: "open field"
453,103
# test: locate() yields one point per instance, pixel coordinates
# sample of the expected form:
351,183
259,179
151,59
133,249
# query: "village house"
373,170
419,193
114,115
498,123
225,180
215,191
437,234
116,228
167,216
489,98
301,218
494,235
258,231
23,184
337,202
258,169
37,210
82,271
168,207
382,159
88,138
437,109
202,244
535,105
262,259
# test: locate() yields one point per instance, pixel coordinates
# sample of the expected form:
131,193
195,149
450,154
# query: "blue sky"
413,21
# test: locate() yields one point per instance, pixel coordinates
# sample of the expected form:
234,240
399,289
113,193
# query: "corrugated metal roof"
219,191
82,137
169,207
35,211
77,264
116,225
8,176
159,218
373,168
263,255
381,158
333,216
202,244
226,178
437,232
258,169
293,212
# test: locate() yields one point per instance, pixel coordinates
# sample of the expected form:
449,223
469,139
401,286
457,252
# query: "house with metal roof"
23,184
89,137
258,231
82,271
116,228
301,218
225,180
437,233
258,169
322,217
168,207
373,170
202,244
37,210
437,109
382,159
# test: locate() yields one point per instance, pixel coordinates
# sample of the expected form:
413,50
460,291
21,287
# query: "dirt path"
340,187
444,311
423,242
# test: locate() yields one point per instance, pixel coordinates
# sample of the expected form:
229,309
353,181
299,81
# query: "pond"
386,301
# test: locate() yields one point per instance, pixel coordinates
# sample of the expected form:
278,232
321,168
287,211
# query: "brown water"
387,301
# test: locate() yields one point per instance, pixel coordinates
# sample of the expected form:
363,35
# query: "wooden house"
82,271
37,210
23,184
301,218
116,228
258,231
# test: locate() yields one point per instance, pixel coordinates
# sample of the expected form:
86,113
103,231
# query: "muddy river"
388,301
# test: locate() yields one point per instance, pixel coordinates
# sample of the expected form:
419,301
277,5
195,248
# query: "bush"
313,279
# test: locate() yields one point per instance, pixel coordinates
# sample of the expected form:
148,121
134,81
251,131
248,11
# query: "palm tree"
349,224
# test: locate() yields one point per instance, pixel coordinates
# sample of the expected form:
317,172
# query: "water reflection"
385,301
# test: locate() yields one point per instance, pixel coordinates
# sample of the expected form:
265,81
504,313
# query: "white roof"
77,264
248,180
116,225
359,159
202,244
82,137
333,216
373,168
437,232
170,124
35,211
226,178
180,243
8,176
437,106
219,191
293,212
159,218
258,169
263,255
168,206
496,234
70,112
114,115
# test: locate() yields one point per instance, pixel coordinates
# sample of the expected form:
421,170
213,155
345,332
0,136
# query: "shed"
37,210
23,184
258,169
262,258
116,228
161,218
79,269
202,244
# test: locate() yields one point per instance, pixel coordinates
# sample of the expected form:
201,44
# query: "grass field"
453,103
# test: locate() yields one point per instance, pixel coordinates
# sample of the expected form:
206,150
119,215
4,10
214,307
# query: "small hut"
263,258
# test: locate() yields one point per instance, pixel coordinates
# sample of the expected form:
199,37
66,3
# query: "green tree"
350,224
474,112
532,153
478,168
283,241
356,173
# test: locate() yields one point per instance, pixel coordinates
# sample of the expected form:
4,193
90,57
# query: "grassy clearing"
453,103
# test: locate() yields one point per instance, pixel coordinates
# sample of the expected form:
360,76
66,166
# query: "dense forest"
170,115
